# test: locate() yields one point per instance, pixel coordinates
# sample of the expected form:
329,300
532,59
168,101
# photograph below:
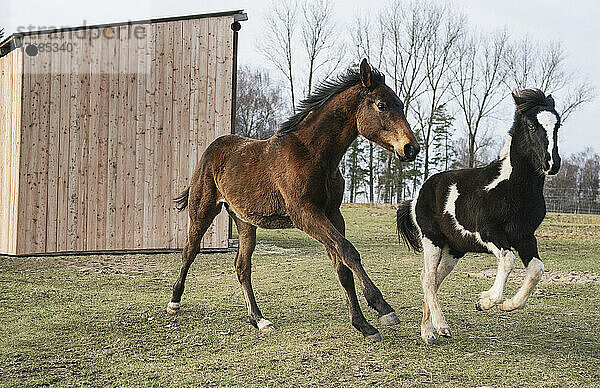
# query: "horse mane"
531,98
324,92
526,100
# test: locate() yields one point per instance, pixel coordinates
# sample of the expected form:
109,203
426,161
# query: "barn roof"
11,43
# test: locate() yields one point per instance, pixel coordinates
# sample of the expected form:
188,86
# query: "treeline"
455,83
576,187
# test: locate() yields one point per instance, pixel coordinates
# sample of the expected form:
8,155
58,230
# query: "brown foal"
292,180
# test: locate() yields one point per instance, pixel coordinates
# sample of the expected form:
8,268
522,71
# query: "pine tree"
443,158
385,176
355,169
372,171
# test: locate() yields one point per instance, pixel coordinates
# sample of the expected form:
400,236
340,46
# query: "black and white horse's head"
536,129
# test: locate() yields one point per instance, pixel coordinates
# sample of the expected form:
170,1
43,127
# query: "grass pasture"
100,319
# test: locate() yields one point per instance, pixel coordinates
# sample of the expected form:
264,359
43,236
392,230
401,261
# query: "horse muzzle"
554,168
410,152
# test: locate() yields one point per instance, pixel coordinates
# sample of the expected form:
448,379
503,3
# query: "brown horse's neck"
328,131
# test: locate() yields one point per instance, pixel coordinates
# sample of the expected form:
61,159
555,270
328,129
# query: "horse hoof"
173,308
267,329
506,306
389,319
444,332
374,337
429,339
265,326
484,304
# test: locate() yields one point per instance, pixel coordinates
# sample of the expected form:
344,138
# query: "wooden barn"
101,126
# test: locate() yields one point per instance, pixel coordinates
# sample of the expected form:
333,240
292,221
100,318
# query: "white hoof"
508,305
486,302
427,334
265,326
429,338
173,308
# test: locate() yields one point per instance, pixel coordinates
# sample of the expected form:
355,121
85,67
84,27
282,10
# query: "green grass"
100,320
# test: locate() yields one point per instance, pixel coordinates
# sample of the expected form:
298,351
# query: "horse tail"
408,230
181,202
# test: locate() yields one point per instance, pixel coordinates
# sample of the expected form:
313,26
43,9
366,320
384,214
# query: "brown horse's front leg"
357,318
319,227
374,298
351,258
346,280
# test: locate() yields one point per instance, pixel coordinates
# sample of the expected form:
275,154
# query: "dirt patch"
115,264
270,249
571,277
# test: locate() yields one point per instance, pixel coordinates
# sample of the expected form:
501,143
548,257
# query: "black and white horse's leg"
528,252
432,256
445,266
243,268
506,263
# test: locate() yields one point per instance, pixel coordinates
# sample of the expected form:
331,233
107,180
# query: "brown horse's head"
380,117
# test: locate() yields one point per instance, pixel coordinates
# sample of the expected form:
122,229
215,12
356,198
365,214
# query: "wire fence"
557,201
571,201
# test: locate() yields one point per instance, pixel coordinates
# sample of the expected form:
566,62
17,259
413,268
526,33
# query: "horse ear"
366,74
518,100
550,100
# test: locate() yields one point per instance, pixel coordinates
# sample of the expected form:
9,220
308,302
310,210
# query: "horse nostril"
410,151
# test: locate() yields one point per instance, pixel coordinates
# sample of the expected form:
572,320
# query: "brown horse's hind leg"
243,268
202,213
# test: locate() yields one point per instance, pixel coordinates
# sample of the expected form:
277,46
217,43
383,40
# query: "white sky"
575,23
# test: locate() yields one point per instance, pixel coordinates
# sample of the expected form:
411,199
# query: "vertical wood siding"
110,132
11,72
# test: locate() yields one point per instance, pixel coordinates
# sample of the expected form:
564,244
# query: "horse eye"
381,106
531,126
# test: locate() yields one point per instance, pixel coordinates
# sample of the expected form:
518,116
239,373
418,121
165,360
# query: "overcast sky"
575,23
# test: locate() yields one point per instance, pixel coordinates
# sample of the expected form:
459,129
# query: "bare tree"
323,50
486,149
478,83
258,103
369,43
417,39
367,40
589,173
532,64
277,45
408,34
576,187
444,31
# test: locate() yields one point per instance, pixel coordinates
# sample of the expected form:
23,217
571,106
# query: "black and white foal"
489,209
